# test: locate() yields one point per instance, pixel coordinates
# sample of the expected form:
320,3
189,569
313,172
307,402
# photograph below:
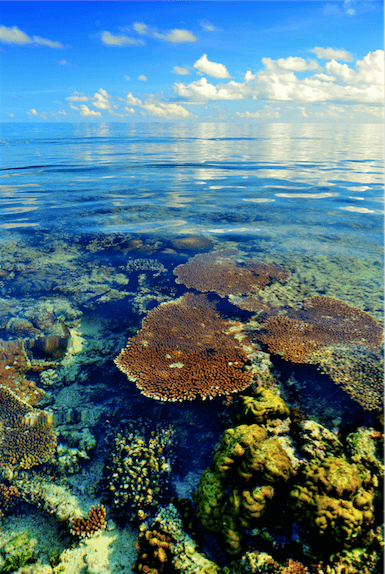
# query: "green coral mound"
263,406
235,491
332,500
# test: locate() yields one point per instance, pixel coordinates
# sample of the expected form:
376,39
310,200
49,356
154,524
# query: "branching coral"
137,471
93,524
185,349
154,547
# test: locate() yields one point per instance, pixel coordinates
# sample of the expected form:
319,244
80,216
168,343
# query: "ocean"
107,229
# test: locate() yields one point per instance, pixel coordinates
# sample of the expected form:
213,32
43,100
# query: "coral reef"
185,349
192,243
323,321
154,550
28,438
137,472
9,497
331,500
263,405
219,272
93,524
357,369
234,492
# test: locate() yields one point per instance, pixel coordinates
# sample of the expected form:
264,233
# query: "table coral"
28,438
184,349
219,272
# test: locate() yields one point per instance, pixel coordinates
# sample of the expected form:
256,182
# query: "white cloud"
102,98
206,25
202,90
162,110
62,112
142,78
180,71
376,111
129,110
131,100
279,82
266,113
212,69
64,63
140,27
33,112
332,54
120,40
177,36
291,63
249,76
86,112
49,43
15,36
126,78
77,97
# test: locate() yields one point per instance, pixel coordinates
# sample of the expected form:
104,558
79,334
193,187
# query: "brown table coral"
221,273
184,349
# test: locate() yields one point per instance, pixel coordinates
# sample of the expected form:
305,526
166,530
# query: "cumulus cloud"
15,36
64,63
62,112
266,113
78,97
101,100
291,63
203,90
86,112
142,78
32,112
163,110
278,82
212,69
177,36
120,40
332,54
158,109
180,71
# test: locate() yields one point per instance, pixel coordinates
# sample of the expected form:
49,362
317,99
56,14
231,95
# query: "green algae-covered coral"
331,498
265,404
235,490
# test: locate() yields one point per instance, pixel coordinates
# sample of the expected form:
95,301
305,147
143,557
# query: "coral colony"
279,494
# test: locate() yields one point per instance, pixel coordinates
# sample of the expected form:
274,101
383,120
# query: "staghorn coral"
28,437
137,471
93,524
219,272
185,349
332,501
323,321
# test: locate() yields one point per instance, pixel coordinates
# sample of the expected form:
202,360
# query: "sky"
199,61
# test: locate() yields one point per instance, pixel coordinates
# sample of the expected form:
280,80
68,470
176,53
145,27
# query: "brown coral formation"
323,321
9,496
28,437
220,273
184,349
93,524
155,555
13,365
192,243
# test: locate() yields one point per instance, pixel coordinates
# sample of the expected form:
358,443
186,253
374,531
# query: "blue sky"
301,61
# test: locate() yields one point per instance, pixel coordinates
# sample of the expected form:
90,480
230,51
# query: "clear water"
81,201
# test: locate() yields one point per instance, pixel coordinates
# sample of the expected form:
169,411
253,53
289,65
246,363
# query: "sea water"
90,218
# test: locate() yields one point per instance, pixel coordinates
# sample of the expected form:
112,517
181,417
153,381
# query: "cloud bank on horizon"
128,72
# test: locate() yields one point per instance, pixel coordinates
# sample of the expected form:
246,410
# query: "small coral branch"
87,527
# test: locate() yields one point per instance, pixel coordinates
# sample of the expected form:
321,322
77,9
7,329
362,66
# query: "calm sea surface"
94,218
